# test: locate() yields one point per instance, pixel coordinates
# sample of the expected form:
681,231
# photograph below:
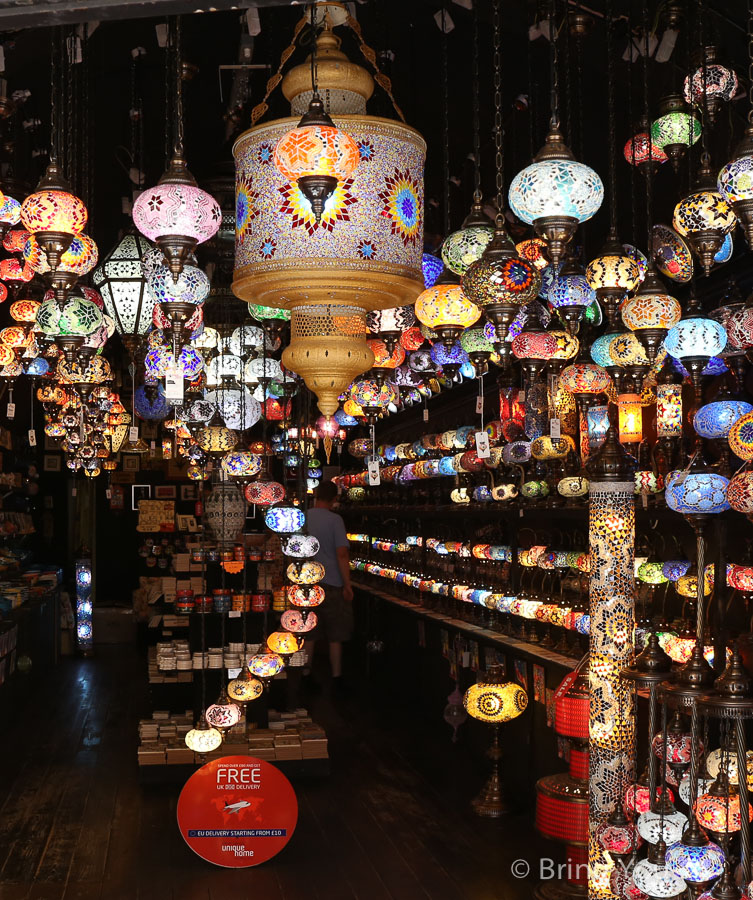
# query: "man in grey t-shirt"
335,615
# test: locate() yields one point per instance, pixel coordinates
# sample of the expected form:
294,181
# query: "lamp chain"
178,86
554,122
312,56
499,142
649,167
612,121
750,60
476,112
53,97
445,126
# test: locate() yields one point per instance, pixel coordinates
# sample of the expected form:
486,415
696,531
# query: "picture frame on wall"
131,462
164,492
188,492
140,492
52,463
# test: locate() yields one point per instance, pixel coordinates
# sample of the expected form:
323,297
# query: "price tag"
482,445
479,405
74,491
554,428
644,501
426,415
520,513
32,438
234,614
133,433
466,659
108,493
10,410
521,396
173,384
374,478
233,673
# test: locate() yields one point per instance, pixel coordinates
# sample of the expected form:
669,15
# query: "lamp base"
491,803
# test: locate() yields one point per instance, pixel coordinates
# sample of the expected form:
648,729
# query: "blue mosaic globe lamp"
714,420
694,340
697,491
555,194
570,294
695,858
735,183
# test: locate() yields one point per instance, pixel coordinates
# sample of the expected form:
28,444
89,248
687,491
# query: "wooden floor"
390,822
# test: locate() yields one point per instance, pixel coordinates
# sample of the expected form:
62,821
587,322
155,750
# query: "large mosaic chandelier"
363,249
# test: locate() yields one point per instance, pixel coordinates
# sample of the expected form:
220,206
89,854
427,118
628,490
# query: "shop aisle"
390,822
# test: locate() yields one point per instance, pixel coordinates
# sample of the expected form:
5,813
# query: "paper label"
554,428
10,410
108,493
482,445
521,396
426,415
173,384
32,438
74,491
234,614
133,433
233,673
466,659
479,405
374,478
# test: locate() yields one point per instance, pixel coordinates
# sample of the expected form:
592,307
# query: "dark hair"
327,491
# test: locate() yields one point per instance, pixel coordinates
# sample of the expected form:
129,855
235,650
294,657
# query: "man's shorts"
334,616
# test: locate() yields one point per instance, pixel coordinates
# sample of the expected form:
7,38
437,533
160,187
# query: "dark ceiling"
409,45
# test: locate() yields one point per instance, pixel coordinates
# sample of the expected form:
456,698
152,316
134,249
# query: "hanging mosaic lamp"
704,217
463,247
735,183
676,129
570,294
710,85
53,214
651,313
446,309
641,151
10,214
555,194
695,339
714,420
612,275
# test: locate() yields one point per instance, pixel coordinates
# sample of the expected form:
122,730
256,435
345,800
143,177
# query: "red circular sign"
237,811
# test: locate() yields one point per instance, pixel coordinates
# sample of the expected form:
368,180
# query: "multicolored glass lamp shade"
217,439
191,286
223,714
120,280
432,268
203,739
555,194
176,214
53,214
696,492
284,519
80,256
84,606
741,437
10,213
266,665
740,493
735,183
696,864
317,156
651,313
612,274
630,412
284,643
446,310
245,688
714,420
695,338
655,879
585,378
669,411
570,293
669,826
463,247
641,151
710,85
600,350
495,702
241,464
676,129
704,217
501,281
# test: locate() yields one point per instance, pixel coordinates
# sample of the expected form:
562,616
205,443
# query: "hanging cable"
499,143
445,126
554,121
612,121
178,86
476,111
649,167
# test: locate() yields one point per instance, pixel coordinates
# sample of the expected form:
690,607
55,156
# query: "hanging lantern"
630,418
704,217
651,313
555,194
675,129
462,248
570,293
710,85
176,214
642,152
53,215
669,411
446,310
612,275
735,183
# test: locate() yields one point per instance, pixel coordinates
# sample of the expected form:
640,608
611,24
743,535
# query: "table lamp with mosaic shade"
494,701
